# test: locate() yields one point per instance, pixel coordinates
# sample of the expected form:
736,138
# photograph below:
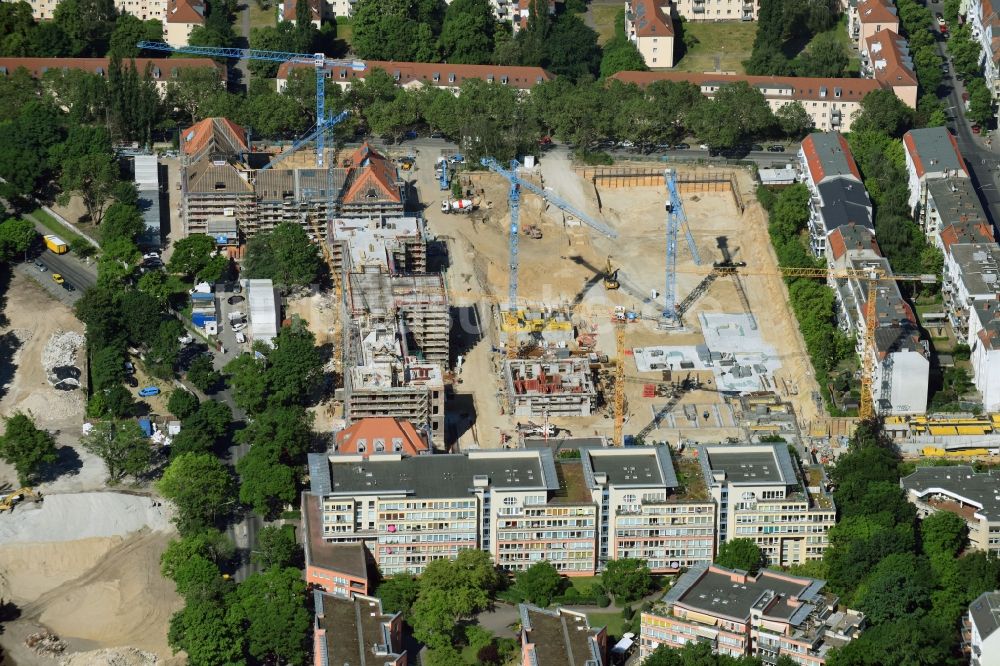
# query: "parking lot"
231,348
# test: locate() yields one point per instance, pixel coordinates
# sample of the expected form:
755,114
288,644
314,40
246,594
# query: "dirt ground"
319,311
564,267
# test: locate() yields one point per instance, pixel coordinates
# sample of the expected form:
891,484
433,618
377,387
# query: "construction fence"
687,183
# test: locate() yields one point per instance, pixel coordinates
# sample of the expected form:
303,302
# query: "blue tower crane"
675,220
314,134
516,183
318,60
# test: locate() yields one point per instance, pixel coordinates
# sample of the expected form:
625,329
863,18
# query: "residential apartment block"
766,615
837,196
980,630
161,70
971,273
355,631
717,10
338,568
953,213
984,336
182,16
983,19
869,17
414,75
885,57
560,637
222,178
145,10
521,506
830,103
959,489
760,495
931,154
649,26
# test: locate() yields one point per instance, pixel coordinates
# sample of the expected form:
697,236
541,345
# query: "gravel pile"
82,515
126,656
61,350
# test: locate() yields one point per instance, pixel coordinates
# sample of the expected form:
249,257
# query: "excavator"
610,276
8,502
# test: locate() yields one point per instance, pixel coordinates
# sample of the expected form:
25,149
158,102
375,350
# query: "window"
629,499
379,445
509,501
362,445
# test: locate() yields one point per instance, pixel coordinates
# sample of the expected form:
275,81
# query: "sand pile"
29,570
59,359
81,516
112,657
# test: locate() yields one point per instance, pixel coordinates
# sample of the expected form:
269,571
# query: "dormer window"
397,444
451,78
397,76
362,445
436,77
503,80
379,445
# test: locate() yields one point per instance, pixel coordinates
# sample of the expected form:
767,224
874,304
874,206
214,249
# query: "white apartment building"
144,10
984,336
830,103
971,273
868,17
959,489
649,26
760,495
952,213
983,19
717,10
415,75
931,154
980,630
180,19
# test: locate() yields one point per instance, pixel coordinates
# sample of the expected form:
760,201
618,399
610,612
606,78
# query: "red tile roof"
289,9
773,87
372,172
186,11
393,433
815,161
196,137
877,11
861,239
650,20
888,59
966,232
436,74
163,69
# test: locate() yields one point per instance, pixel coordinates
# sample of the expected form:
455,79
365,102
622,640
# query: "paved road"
241,65
77,272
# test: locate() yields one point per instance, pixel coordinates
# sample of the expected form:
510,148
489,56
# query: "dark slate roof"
642,466
748,464
845,201
981,489
985,612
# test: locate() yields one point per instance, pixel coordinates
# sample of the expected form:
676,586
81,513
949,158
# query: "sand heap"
112,657
82,516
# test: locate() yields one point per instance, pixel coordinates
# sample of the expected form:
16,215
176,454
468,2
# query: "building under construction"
223,178
393,245
562,387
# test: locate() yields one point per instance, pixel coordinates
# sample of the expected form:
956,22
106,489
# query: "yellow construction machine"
8,502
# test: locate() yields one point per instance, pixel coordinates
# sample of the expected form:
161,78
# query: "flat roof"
347,558
263,309
749,464
640,466
985,612
442,475
716,590
960,482
353,627
979,264
560,637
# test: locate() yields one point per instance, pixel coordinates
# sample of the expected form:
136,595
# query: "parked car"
940,18
240,338
149,391
776,148
239,326
976,129
703,146
437,135
756,147
41,267
131,381
58,279
68,287
682,146
627,144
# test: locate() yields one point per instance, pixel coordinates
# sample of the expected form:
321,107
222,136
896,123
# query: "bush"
511,595
595,158
603,600
571,593
82,247
628,612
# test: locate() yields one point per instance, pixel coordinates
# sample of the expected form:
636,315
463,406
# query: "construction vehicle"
55,244
532,231
611,276
406,163
443,175
458,206
8,502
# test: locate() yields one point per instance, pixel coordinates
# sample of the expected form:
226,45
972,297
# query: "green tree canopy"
272,605
467,32
881,111
122,446
284,255
26,447
627,579
740,554
200,486
182,403
276,547
16,238
539,583
943,533
398,593
208,634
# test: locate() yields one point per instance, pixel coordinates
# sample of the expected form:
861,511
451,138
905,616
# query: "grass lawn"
345,30
604,20
613,621
730,42
50,223
262,18
583,583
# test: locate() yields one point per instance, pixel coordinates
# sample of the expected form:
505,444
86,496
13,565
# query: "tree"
92,176
740,554
202,374
467,32
907,642
156,285
87,25
122,221
207,633
539,583
943,533
196,577
398,593
738,112
881,111
247,376
272,605
182,403
266,483
16,238
294,365
276,547
826,57
452,590
129,31
117,263
897,589
199,485
627,579
211,544
26,447
445,655
621,55
197,90
191,254
286,429
980,102
273,38
794,121
285,255
122,446
571,48
394,30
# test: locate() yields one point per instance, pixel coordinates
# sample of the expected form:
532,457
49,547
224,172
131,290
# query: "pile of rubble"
59,359
126,656
45,643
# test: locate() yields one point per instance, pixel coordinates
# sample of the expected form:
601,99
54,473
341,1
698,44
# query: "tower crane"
319,61
516,183
675,220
